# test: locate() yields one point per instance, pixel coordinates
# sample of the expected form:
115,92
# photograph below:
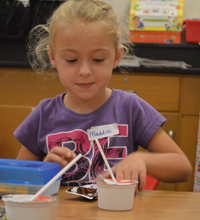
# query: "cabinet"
161,91
10,118
21,90
189,118
188,143
175,96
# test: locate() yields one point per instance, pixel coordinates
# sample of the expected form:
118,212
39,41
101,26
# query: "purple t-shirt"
52,124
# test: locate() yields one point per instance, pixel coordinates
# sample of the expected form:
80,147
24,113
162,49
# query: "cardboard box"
166,37
156,15
27,177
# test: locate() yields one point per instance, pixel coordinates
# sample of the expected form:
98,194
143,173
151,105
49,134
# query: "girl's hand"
61,155
132,167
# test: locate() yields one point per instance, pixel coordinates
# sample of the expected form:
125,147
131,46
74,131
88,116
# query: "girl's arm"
25,154
166,162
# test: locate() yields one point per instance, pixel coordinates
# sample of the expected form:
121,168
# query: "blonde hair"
87,11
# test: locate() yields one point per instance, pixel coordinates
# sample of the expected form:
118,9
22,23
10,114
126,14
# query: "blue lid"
27,172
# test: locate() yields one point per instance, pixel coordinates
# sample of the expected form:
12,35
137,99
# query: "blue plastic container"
27,177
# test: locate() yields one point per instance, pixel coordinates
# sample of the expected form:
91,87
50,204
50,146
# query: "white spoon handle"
56,177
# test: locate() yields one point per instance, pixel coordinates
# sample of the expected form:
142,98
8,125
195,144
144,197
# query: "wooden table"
148,205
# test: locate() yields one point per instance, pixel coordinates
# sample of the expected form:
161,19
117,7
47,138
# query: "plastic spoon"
56,177
105,160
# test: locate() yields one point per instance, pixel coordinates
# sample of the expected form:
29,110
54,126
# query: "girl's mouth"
85,85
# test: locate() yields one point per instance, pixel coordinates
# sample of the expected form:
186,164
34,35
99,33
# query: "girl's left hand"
132,167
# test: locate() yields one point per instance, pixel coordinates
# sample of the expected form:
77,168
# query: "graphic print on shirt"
91,164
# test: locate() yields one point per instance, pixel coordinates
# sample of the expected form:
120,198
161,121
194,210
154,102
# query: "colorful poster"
156,15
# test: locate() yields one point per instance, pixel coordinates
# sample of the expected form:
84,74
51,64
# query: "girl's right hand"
61,155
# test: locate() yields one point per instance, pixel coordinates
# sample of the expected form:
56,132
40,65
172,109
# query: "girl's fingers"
129,175
63,152
60,155
142,178
107,173
55,159
120,174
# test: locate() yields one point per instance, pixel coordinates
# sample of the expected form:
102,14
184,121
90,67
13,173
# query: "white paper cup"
118,197
40,208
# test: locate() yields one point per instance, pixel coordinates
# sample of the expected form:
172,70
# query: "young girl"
83,43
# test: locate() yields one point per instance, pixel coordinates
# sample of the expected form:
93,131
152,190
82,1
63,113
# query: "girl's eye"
98,60
71,61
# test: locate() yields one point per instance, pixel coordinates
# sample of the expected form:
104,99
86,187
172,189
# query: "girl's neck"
86,106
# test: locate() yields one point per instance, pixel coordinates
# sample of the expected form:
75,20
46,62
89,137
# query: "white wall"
191,7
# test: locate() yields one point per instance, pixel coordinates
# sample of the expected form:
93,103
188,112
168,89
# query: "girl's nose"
85,69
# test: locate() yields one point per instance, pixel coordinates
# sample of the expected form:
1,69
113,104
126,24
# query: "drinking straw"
56,177
105,160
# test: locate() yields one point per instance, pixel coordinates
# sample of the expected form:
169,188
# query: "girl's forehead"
81,26
81,29
77,34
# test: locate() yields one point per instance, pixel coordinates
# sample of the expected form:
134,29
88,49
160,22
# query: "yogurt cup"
116,196
18,208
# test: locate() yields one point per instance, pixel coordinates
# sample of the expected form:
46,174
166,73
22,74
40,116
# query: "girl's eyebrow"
73,50
66,49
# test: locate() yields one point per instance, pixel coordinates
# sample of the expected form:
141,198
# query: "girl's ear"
51,56
118,57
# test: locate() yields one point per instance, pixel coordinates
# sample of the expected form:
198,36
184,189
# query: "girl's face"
84,57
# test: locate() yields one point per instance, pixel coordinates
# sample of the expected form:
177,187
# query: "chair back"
151,183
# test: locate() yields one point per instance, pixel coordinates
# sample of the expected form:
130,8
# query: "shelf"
188,53
178,46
